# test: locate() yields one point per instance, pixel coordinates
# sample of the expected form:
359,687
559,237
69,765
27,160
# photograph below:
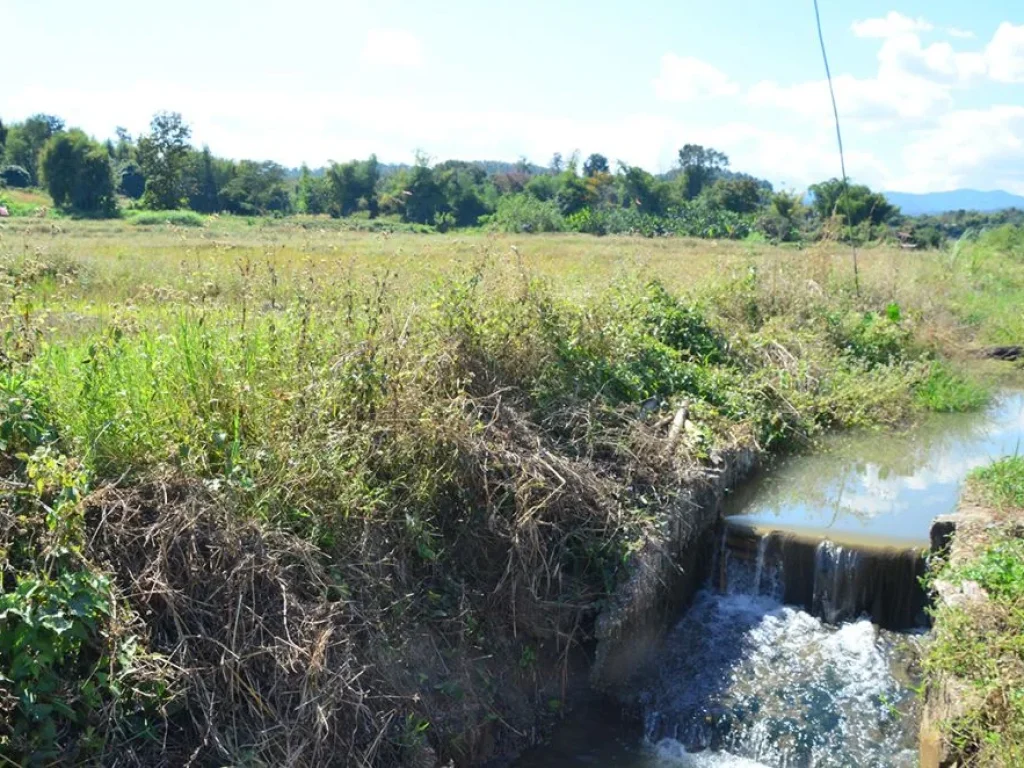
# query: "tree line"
162,170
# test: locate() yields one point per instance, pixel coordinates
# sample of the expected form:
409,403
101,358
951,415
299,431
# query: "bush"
778,227
947,392
15,176
1007,239
131,182
174,218
523,213
875,338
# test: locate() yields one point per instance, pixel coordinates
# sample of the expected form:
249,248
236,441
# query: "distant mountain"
955,200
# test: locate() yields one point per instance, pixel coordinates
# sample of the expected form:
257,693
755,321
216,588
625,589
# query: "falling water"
762,548
748,680
789,657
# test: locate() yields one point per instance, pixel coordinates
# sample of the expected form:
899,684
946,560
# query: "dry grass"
367,493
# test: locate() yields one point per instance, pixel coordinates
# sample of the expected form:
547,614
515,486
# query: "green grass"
24,202
1001,483
171,218
980,643
1000,569
449,430
947,392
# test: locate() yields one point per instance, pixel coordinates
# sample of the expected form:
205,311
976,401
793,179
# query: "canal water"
800,649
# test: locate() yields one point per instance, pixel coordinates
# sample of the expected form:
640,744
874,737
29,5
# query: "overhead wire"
839,139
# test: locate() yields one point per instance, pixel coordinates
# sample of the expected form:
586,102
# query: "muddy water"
780,661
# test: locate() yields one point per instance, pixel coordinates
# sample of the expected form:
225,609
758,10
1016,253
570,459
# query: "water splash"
747,679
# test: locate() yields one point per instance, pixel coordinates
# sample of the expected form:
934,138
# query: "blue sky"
931,94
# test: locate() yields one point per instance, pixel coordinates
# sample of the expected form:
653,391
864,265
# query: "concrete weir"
833,580
666,574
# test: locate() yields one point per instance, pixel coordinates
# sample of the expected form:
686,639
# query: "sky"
930,94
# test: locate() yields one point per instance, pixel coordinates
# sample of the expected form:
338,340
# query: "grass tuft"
1001,483
947,392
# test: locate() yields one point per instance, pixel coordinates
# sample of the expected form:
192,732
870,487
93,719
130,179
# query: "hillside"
913,204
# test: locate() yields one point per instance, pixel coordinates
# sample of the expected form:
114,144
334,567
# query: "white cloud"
1005,54
393,48
904,55
958,32
968,148
684,78
874,102
914,82
893,24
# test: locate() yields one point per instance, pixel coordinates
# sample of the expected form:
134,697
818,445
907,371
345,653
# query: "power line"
831,90
839,139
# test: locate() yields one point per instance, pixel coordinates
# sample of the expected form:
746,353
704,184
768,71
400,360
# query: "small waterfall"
785,660
834,582
762,548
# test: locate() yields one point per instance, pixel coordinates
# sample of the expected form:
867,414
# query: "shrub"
174,218
15,176
947,392
1006,239
131,182
876,338
523,213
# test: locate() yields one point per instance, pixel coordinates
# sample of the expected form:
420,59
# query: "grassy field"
277,491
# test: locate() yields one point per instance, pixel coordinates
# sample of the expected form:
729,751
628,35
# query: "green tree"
462,185
256,188
124,150
573,195
3,141
782,219
353,187
700,166
855,203
543,187
205,192
77,173
594,165
130,180
742,194
314,192
424,198
163,155
641,190
25,141
14,176
557,163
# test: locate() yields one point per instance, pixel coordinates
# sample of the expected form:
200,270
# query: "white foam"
670,752
740,672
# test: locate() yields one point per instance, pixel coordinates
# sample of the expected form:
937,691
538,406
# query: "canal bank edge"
959,539
665,575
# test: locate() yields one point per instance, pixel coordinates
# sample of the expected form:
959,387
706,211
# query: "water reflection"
881,485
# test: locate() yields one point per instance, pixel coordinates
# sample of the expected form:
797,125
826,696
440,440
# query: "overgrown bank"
270,516
975,663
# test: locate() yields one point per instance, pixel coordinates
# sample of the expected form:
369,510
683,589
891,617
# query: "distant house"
906,240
